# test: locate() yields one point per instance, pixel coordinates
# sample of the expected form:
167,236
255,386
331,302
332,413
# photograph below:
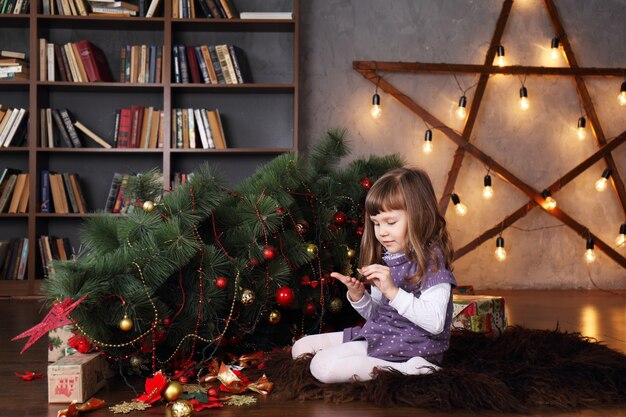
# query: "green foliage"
170,258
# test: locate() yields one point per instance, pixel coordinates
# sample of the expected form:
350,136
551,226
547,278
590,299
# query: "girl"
405,256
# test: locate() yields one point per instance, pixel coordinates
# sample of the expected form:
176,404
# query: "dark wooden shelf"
236,150
100,150
234,25
74,86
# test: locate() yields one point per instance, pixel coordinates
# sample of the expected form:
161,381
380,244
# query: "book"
4,249
154,130
202,65
92,135
13,54
22,206
137,123
70,197
206,57
144,136
82,72
11,133
80,198
123,136
69,126
44,202
7,191
94,61
116,128
154,4
113,190
61,128
217,130
241,65
194,68
50,128
201,131
207,128
119,198
215,11
23,263
11,248
229,7
216,65
10,119
18,245
20,185
5,176
266,15
226,64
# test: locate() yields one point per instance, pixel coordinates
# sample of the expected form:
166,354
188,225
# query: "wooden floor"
601,315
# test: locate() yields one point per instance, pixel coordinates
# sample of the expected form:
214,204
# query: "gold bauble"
135,361
351,253
312,250
148,206
274,317
247,297
126,324
335,305
181,408
173,390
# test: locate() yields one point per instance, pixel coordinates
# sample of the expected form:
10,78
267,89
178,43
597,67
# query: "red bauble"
269,253
167,321
279,210
340,219
284,296
366,183
310,309
359,231
213,392
254,262
183,380
221,282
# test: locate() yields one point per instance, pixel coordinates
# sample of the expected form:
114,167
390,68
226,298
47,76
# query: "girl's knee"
301,347
323,369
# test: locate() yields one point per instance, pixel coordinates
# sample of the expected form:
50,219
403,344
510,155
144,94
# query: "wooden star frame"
370,70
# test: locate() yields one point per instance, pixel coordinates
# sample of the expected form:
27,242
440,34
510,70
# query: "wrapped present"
58,342
76,377
478,313
464,289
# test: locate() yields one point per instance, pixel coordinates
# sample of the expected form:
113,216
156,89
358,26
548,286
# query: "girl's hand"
380,276
356,289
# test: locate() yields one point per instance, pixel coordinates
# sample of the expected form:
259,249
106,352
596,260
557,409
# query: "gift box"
58,342
464,289
478,313
76,377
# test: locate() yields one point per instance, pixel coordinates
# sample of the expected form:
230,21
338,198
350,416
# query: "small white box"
76,377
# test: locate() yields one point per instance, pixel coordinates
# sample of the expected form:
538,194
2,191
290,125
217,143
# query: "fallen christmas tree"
205,267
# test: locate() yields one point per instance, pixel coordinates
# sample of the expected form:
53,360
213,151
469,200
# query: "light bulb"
622,95
549,202
459,207
487,190
427,147
620,240
554,48
461,111
500,252
602,183
376,111
523,99
582,131
590,253
500,59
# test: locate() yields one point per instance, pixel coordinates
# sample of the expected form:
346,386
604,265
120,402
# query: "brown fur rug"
518,371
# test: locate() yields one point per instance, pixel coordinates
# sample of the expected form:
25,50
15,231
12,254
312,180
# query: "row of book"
210,64
14,68
14,6
80,61
14,191
117,201
58,129
116,8
13,258
138,127
61,193
53,248
141,64
215,9
197,128
13,126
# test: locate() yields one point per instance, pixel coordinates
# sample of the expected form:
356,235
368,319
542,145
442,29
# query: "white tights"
335,361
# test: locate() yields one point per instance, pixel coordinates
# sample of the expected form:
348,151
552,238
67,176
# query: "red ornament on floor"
284,296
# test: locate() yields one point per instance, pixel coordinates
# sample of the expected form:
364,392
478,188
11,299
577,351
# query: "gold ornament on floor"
247,297
148,206
181,408
126,324
312,250
335,305
351,253
274,317
173,390
128,406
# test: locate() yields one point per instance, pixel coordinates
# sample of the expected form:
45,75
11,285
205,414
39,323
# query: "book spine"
184,66
216,65
194,69
116,129
202,65
45,191
70,128
61,127
69,192
58,56
207,128
113,190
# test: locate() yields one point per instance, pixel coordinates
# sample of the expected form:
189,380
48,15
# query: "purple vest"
393,337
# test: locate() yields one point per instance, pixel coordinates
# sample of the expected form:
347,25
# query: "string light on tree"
459,207
524,104
461,111
581,131
428,141
500,252
603,181
554,48
487,189
500,60
549,202
620,240
621,98
590,253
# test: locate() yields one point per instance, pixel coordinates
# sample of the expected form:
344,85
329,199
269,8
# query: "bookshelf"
260,119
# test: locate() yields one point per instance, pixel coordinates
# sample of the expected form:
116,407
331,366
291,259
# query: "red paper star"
56,317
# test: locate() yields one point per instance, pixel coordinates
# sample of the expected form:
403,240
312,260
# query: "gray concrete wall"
538,145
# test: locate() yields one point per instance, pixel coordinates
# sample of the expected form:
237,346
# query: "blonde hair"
411,190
